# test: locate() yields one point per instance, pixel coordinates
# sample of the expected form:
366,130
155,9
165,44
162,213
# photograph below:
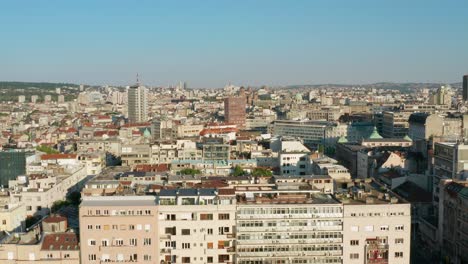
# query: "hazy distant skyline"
211,43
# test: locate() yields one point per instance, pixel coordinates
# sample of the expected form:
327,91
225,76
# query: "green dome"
375,134
147,133
407,138
342,140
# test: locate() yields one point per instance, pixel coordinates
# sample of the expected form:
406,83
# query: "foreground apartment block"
248,224
118,228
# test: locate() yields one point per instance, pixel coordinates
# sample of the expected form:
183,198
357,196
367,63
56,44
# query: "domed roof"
298,97
375,134
342,140
147,133
407,138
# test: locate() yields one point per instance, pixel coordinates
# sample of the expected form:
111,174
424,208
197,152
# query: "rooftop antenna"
137,79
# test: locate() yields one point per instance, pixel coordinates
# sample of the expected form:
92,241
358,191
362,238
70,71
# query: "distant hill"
39,85
9,91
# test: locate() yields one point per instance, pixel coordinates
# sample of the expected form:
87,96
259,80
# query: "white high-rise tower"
137,103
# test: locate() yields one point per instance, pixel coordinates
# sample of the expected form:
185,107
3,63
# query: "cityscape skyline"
210,44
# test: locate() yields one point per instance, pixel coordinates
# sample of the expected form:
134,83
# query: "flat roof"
146,200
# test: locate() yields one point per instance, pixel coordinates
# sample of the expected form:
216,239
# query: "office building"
234,110
137,104
12,164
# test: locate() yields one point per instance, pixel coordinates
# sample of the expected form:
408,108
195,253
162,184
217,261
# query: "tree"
190,171
31,220
259,172
57,205
238,171
74,198
47,149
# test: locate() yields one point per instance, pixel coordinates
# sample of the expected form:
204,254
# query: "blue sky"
210,43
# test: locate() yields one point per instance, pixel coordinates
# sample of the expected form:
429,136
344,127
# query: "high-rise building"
234,110
465,88
137,104
21,99
13,164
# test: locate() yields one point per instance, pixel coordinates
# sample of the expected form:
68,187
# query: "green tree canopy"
238,171
190,171
259,172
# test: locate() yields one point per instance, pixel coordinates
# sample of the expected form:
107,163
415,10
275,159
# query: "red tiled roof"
226,192
207,131
58,156
152,167
55,219
60,241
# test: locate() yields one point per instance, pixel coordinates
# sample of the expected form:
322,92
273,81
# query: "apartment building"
110,145
39,192
376,231
48,242
197,225
291,221
136,154
271,230
119,229
395,124
453,220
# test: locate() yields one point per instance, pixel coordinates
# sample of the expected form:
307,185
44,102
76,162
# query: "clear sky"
252,42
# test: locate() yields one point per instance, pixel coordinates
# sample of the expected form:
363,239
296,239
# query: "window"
104,242
398,254
147,241
90,227
210,231
115,227
98,227
66,256
399,228
354,242
133,241
185,232
147,257
139,227
131,227
206,216
384,228
3,222
49,256
223,230
119,242
106,227
185,245
398,240
209,259
147,227
185,259
354,228
369,228
91,242
354,255
92,257
171,217
209,245
223,216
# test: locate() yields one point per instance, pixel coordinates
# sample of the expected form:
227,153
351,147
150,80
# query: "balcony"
377,261
290,241
166,250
